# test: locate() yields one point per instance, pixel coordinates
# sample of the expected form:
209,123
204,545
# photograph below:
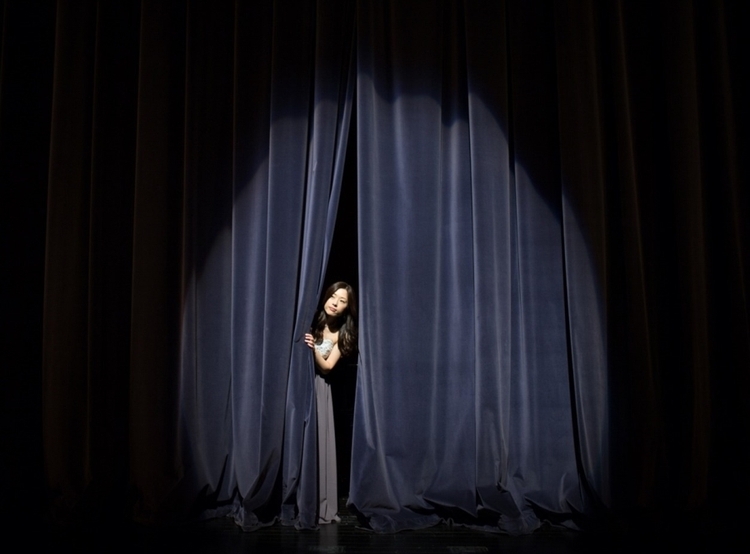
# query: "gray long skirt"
327,484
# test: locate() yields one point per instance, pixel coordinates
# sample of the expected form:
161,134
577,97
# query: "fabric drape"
226,196
334,89
553,221
539,249
455,233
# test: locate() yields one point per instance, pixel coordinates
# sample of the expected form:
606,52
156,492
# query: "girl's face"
336,305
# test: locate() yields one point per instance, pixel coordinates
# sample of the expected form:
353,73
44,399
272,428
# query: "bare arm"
325,364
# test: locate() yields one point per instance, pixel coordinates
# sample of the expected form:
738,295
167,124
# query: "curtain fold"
264,341
333,95
584,253
88,268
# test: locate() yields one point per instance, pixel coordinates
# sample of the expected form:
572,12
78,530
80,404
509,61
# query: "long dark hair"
348,327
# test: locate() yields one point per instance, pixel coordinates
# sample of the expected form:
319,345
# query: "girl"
333,336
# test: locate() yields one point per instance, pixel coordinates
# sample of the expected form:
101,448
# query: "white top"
324,348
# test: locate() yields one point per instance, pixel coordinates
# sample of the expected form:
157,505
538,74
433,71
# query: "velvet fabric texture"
461,255
553,222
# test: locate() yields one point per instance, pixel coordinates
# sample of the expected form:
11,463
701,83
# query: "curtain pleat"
66,319
160,252
583,165
491,194
205,378
333,96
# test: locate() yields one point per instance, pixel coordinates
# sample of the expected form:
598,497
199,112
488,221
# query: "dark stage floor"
222,535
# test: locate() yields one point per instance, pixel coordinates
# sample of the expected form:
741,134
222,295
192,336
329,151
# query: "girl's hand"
309,340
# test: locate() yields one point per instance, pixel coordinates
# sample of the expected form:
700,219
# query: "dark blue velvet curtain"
464,399
246,379
553,221
244,369
234,161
